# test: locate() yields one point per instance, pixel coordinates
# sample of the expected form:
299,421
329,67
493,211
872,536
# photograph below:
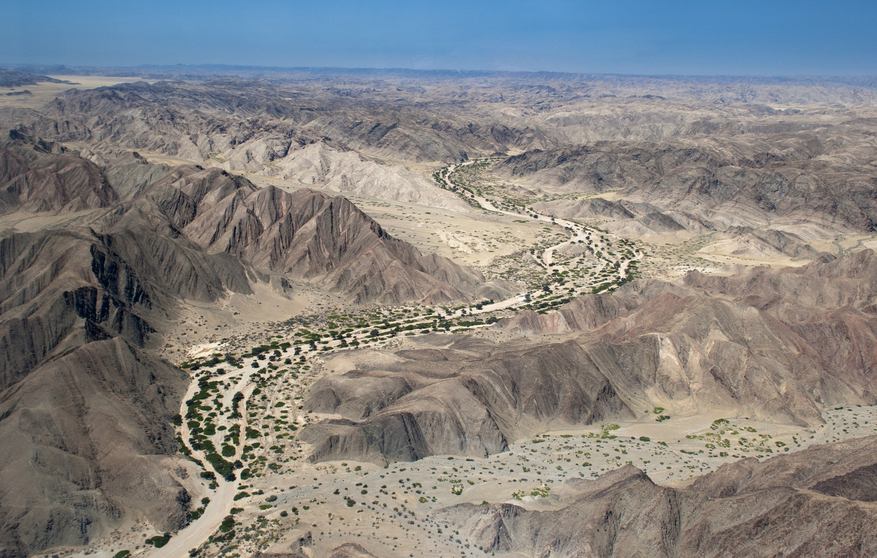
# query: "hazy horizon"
230,69
637,38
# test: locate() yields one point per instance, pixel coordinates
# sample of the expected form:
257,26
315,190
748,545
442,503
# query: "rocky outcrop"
87,438
693,354
348,173
581,314
773,241
809,289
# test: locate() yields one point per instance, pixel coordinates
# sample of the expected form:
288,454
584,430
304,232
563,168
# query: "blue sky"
633,37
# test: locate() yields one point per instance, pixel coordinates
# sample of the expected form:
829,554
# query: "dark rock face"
85,406
859,484
747,508
61,288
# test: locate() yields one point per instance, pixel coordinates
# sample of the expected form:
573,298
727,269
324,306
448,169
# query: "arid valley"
352,313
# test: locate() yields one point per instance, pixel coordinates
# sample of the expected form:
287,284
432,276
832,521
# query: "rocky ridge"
714,183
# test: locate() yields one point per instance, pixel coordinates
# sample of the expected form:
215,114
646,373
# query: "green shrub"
221,466
159,541
227,524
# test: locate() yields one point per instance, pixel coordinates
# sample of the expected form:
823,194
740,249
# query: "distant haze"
642,37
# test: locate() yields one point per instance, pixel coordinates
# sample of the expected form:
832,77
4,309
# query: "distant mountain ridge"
16,78
214,70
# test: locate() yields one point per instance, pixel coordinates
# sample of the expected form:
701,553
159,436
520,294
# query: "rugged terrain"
814,503
770,352
235,316
86,301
